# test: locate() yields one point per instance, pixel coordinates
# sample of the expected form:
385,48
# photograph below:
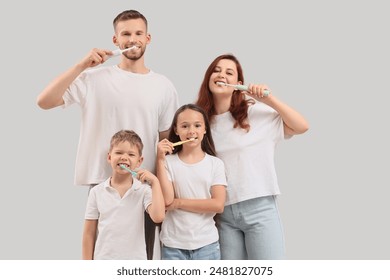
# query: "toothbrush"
133,173
182,142
241,87
119,52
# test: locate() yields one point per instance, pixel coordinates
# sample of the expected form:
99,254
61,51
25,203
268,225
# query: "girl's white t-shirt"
188,230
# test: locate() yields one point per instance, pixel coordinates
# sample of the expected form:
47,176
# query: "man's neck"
134,66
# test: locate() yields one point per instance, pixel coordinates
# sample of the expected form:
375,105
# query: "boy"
114,218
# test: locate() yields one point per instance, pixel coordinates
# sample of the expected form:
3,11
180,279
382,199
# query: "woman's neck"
222,103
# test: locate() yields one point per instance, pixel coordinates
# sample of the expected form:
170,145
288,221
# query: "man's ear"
115,40
148,38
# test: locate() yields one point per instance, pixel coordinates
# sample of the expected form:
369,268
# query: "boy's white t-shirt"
188,230
249,156
121,234
112,99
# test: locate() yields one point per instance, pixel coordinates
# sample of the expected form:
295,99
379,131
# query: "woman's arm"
294,122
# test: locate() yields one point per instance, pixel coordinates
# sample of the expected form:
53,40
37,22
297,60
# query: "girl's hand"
174,205
164,147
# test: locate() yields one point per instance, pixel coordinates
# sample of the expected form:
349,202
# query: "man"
125,96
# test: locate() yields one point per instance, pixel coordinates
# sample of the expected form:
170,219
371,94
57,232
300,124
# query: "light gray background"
328,59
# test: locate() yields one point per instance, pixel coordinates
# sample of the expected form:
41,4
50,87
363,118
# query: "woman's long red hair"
239,104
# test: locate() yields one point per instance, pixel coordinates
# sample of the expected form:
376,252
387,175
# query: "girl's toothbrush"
133,173
241,87
182,142
119,52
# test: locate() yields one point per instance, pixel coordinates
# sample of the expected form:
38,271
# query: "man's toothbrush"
133,173
119,51
241,87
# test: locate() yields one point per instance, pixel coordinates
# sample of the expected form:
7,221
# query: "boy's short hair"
129,14
129,136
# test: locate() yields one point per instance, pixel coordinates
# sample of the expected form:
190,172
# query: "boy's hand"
146,176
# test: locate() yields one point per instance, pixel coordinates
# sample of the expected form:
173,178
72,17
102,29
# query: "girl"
246,127
193,184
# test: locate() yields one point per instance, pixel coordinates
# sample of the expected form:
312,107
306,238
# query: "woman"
246,126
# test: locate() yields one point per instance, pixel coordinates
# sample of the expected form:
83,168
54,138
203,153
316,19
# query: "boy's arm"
89,238
51,96
215,204
156,209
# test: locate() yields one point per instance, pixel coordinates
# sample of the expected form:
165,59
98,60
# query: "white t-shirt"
249,156
121,234
188,230
112,99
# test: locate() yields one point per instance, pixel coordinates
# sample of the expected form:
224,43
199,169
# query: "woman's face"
226,72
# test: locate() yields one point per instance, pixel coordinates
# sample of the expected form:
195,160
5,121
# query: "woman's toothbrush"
182,142
133,173
241,87
119,52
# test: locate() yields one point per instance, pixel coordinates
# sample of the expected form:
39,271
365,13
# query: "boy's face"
124,153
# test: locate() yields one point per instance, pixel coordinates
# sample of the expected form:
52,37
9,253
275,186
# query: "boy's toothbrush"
119,52
133,173
241,87
182,142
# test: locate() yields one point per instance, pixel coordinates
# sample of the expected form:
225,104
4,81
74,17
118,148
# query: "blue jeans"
208,252
251,230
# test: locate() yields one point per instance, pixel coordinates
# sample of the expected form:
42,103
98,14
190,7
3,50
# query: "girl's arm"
164,147
89,238
215,204
156,210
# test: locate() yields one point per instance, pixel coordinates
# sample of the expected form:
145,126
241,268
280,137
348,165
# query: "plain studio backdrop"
329,60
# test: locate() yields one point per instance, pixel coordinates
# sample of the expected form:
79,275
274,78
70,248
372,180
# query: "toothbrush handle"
116,53
244,87
241,87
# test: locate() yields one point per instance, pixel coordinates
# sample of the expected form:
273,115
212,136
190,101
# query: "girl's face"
190,124
226,72
124,153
